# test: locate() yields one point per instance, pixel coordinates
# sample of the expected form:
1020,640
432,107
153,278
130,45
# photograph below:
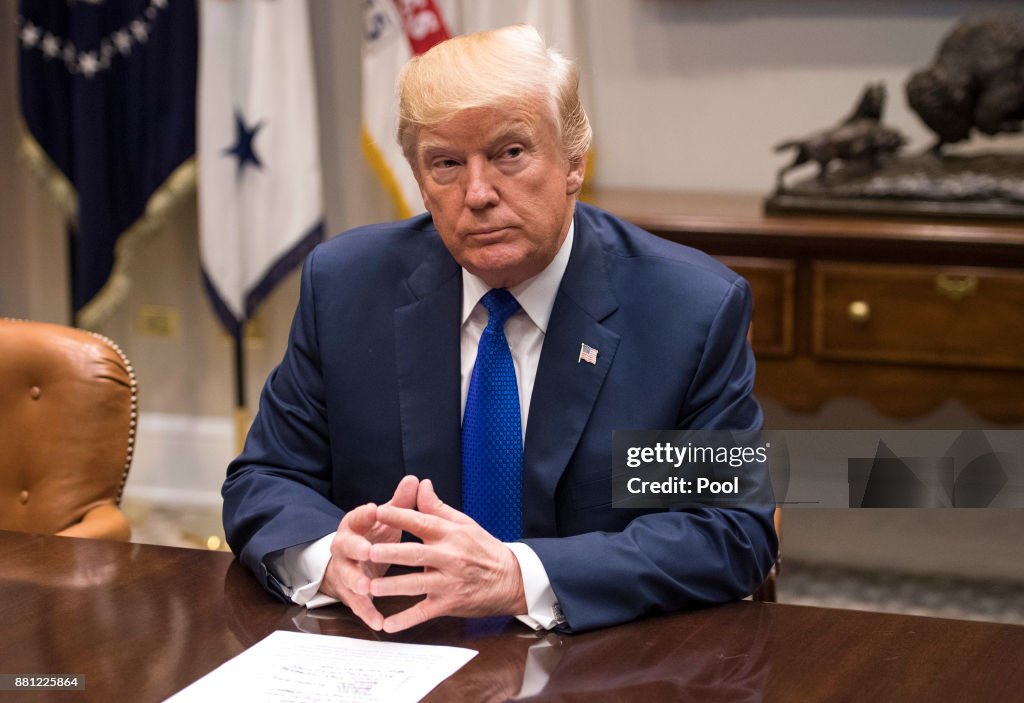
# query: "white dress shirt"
525,331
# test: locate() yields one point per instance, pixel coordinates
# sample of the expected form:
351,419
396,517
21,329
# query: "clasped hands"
466,571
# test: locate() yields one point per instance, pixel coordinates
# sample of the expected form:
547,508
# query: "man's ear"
574,179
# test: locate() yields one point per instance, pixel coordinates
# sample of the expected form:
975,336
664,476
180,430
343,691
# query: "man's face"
500,191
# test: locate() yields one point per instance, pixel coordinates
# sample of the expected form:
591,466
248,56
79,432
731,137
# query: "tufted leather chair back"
68,408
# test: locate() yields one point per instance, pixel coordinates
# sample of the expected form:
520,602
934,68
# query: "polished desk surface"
141,622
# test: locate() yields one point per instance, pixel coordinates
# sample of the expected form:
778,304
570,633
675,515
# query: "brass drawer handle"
859,312
956,288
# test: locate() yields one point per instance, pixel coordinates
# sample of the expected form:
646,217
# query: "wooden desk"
141,622
903,314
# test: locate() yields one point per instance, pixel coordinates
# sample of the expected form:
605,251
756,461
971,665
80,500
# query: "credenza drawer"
771,283
960,316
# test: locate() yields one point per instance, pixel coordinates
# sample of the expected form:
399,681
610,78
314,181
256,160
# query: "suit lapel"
427,353
565,388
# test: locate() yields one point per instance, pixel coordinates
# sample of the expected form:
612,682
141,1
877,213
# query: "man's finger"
351,545
415,614
363,608
416,584
428,502
361,519
405,493
407,554
426,527
344,575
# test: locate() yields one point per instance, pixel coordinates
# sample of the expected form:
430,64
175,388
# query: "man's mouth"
485,232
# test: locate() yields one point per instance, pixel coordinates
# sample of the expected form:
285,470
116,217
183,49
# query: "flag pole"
241,412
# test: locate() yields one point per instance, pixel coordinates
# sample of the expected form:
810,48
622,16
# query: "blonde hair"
486,69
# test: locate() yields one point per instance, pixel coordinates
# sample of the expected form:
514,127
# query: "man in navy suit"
358,440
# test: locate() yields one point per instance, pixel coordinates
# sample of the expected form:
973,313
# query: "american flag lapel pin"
587,354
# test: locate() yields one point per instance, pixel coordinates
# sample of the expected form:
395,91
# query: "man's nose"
480,187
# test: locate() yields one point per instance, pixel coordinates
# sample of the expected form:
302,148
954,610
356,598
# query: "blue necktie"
492,436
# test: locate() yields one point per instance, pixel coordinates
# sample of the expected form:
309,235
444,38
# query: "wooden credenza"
904,314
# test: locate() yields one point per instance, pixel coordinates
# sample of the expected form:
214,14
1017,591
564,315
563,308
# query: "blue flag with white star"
260,201
108,99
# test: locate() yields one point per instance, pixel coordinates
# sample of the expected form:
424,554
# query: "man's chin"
499,273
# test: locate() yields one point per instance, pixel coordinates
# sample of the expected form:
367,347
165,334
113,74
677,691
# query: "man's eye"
446,163
514,152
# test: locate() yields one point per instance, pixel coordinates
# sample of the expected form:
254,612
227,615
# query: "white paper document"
294,667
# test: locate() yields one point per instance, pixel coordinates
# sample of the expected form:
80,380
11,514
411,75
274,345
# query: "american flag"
587,354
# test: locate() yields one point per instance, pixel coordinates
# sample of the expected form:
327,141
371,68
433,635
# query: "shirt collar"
536,295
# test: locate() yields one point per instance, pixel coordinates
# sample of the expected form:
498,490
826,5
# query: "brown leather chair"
68,410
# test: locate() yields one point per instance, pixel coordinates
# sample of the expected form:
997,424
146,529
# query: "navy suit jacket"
369,391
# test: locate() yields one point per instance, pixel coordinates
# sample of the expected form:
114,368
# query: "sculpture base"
986,186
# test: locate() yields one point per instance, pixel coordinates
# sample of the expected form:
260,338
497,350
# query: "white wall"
694,94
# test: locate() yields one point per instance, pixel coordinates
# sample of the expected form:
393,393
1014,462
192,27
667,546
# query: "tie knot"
500,305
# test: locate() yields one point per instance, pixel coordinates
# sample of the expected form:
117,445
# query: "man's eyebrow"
511,131
519,129
427,146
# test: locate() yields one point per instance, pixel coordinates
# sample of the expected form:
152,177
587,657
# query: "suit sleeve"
680,559
276,491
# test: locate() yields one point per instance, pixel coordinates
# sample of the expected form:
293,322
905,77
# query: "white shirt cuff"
541,605
304,564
